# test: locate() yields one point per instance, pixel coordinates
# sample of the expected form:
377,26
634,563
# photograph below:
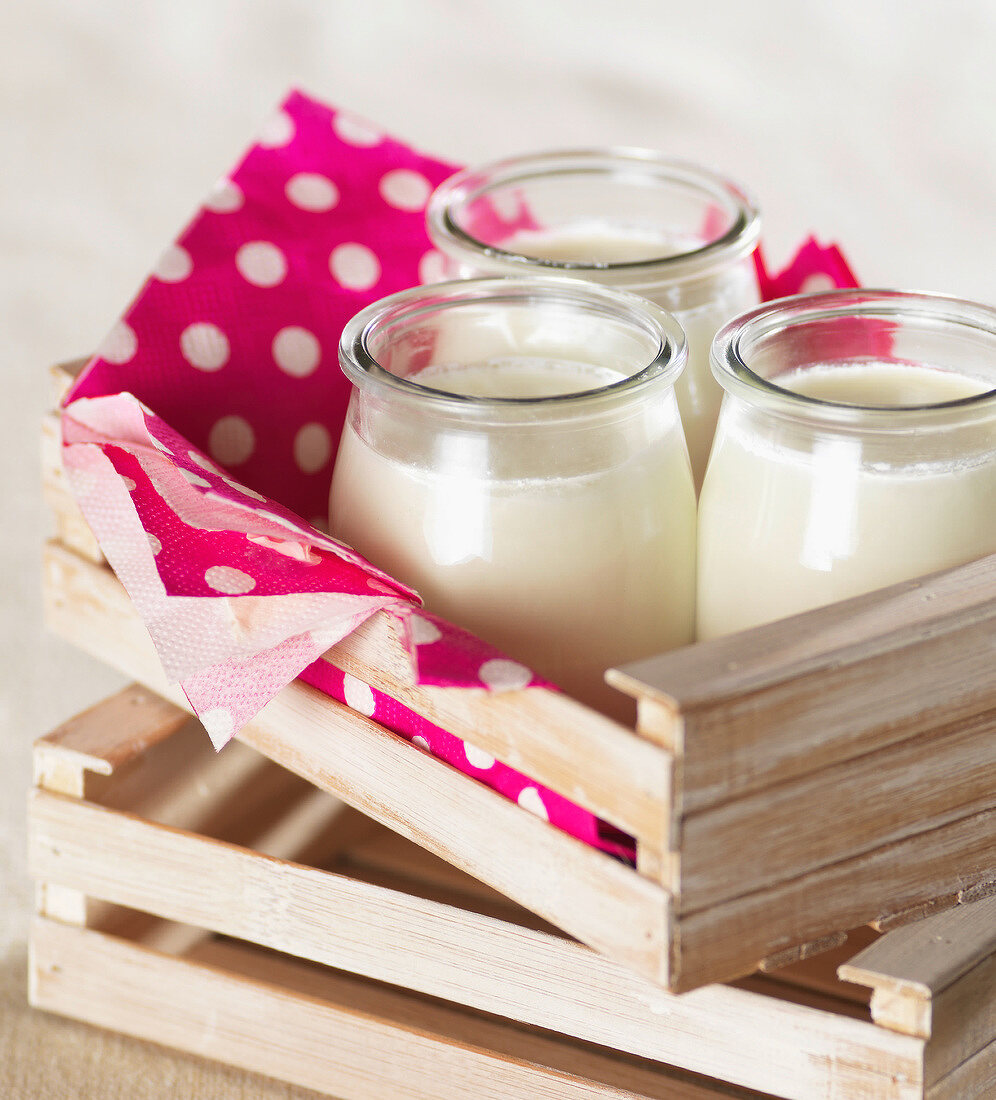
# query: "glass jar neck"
386,348
861,329
620,217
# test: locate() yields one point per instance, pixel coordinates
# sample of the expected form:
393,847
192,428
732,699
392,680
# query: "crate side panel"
838,812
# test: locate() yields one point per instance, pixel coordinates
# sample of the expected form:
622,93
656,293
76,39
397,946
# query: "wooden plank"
936,979
560,743
362,1042
719,941
963,1020
486,964
585,892
111,733
70,526
974,1079
837,812
927,957
810,691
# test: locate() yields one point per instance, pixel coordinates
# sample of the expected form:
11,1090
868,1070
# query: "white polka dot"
529,799
478,758
174,265
205,464
355,131
154,544
129,484
231,440
424,632
226,197
359,697
195,479
204,346
231,581
817,281
312,448
404,189
296,351
261,263
502,675
311,191
218,721
277,130
120,344
432,267
421,743
354,266
243,489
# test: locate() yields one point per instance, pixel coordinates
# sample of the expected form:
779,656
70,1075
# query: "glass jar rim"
733,343
362,368
622,161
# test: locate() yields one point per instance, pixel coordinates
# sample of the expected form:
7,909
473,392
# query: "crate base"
220,904
333,1033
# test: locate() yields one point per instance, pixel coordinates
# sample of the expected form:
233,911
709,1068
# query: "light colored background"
872,122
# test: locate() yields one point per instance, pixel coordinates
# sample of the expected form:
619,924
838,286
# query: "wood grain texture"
586,893
808,692
840,811
360,1042
718,940
494,966
974,1079
925,958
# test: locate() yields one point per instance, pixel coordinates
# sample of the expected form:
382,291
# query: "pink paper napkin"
199,441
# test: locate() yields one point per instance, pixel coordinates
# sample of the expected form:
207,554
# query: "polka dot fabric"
199,442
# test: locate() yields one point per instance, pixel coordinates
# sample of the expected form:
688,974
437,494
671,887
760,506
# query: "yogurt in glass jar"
856,448
513,451
672,232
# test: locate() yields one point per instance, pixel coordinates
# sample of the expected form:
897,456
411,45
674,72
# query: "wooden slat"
111,733
584,892
837,812
912,968
490,965
719,940
927,957
363,1043
974,1079
568,747
70,526
810,691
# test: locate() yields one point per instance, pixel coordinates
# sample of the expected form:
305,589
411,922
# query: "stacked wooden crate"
786,789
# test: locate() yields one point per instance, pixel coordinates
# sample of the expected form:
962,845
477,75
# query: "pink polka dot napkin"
199,441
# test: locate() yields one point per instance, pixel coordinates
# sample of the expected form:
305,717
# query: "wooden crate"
782,785
224,906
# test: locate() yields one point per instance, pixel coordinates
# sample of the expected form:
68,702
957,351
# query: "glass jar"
627,218
856,448
513,451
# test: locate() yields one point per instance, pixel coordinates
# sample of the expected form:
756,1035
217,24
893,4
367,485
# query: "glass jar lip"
464,186
361,367
733,342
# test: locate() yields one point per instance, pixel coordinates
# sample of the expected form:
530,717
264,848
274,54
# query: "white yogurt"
572,551
790,521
